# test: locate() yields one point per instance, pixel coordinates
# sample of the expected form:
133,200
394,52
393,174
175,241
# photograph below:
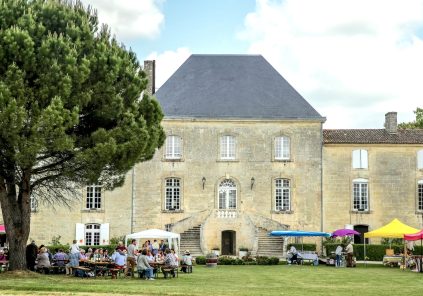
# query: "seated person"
170,262
83,256
143,266
159,257
186,261
106,256
293,255
42,259
150,257
60,257
3,257
119,258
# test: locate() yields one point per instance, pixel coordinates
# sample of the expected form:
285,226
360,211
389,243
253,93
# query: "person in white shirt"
293,255
338,254
119,257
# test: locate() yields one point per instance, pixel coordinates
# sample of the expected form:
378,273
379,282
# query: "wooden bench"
188,268
168,270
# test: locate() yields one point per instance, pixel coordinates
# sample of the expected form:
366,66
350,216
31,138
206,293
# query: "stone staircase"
190,240
270,246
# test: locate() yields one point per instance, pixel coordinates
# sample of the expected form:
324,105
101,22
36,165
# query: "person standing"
31,255
74,256
338,254
350,253
130,259
155,246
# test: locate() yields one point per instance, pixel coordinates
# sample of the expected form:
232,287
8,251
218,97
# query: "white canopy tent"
172,238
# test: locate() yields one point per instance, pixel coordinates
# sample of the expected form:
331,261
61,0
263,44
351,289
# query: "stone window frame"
420,159
172,156
237,191
419,196
283,190
360,182
292,194
97,202
274,148
235,149
360,159
165,208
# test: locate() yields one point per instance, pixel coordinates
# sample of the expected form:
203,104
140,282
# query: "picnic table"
394,260
308,256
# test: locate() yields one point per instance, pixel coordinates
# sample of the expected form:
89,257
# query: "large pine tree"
71,109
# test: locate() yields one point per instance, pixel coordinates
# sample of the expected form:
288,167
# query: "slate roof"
231,87
372,136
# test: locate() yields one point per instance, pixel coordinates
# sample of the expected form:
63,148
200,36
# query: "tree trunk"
16,209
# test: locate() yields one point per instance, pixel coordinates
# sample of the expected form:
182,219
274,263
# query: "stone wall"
392,179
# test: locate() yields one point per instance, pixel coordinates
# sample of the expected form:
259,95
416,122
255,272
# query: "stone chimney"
391,122
150,70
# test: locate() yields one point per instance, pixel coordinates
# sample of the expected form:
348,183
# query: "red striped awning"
2,229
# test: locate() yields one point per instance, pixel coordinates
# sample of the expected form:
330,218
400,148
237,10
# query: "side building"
372,176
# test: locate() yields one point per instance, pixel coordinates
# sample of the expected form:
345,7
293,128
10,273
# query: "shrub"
273,260
262,260
200,260
225,260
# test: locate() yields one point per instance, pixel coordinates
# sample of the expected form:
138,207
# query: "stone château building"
246,154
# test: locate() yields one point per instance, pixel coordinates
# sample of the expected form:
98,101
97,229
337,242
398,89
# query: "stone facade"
254,160
392,177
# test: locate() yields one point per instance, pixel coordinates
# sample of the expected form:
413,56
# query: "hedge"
373,252
227,260
303,247
65,248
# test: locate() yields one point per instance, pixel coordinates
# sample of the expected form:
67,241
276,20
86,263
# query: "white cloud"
352,60
167,63
130,19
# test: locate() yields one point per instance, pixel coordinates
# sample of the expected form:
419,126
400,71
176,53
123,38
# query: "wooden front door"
228,242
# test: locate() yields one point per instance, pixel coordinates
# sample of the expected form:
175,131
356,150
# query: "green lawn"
230,280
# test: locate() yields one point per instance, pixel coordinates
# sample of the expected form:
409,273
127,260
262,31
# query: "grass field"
229,280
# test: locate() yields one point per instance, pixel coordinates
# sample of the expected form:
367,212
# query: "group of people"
151,256
349,251
147,260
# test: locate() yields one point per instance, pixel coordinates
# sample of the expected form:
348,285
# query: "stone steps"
190,240
268,245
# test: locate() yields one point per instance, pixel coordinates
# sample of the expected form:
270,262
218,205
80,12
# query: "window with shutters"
359,159
92,234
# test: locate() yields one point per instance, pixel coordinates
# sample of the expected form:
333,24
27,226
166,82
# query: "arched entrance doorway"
228,242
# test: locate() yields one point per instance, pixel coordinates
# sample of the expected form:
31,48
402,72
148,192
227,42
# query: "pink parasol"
344,232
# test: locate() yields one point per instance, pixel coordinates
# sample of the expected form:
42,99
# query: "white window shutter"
364,159
356,159
420,159
79,233
104,234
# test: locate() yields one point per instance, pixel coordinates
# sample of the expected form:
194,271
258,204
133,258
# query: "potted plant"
243,252
216,251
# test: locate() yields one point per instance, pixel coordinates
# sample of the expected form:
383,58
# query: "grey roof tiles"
372,136
231,87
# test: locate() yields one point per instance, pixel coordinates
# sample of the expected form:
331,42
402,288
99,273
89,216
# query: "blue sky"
352,60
